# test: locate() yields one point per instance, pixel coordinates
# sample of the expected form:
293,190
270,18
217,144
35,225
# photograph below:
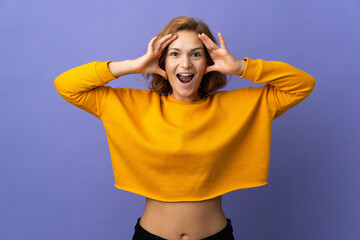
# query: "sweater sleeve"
84,86
286,85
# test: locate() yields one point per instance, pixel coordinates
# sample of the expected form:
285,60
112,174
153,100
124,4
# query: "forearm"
83,86
122,68
283,76
286,85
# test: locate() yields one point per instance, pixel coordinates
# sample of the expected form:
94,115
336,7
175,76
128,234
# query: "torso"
184,220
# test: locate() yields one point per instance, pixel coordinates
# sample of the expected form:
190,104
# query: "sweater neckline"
171,99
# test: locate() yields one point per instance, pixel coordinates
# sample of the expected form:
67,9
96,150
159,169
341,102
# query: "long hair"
210,82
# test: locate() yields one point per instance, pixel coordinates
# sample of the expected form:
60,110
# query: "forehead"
186,40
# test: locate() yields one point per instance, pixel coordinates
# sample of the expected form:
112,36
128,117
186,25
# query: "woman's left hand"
224,62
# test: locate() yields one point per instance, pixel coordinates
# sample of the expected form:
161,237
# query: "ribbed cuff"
251,70
103,71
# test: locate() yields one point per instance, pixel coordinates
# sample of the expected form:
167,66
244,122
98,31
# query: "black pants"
142,234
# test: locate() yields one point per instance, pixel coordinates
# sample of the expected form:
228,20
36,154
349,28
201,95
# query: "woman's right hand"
149,63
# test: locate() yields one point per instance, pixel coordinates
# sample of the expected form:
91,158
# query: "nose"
186,62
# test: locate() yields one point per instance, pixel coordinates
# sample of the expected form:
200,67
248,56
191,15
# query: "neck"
198,98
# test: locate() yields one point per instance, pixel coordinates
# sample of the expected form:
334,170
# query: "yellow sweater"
172,150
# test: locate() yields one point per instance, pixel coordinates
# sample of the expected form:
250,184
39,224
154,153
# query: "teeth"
185,74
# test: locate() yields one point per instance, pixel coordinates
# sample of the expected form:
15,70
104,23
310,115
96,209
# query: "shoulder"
246,92
129,96
133,92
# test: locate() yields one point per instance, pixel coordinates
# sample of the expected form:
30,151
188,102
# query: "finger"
209,44
211,68
151,43
222,41
201,37
165,44
163,39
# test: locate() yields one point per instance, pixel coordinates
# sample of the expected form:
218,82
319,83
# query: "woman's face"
185,64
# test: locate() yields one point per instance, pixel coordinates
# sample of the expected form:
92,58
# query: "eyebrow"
191,49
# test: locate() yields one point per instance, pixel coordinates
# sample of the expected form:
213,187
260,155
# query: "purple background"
56,179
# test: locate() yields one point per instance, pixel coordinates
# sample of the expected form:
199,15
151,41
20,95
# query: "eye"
196,54
174,54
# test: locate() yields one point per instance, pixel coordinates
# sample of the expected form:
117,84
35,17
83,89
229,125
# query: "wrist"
242,65
132,66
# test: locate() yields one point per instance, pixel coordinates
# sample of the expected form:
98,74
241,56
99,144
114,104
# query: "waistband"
223,234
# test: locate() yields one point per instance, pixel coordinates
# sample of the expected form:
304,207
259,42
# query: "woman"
183,144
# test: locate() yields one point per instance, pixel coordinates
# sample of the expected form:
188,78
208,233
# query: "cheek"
169,66
202,66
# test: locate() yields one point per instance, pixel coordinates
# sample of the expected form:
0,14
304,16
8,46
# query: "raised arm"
286,85
84,86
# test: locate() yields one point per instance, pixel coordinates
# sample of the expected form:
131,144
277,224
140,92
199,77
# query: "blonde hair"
210,82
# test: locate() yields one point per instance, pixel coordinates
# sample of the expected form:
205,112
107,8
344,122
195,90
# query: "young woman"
183,144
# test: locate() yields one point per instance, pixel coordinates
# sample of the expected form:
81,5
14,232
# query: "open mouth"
185,79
